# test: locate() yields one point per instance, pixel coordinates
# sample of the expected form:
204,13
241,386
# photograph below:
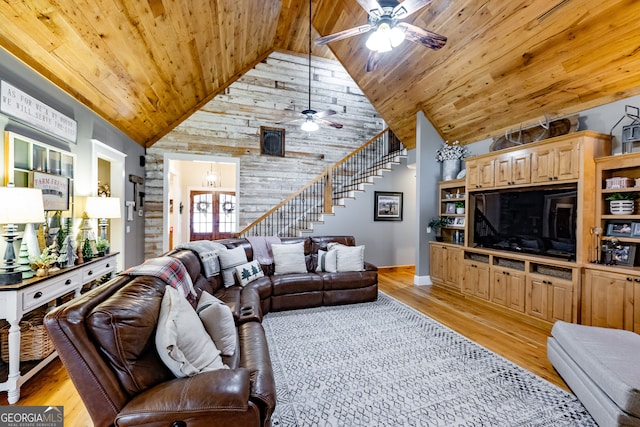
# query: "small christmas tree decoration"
23,262
68,255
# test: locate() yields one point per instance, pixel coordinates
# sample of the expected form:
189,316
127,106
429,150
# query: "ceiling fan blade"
328,123
344,34
407,7
372,61
372,7
291,121
324,113
422,36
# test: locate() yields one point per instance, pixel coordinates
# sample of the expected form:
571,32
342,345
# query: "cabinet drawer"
98,269
40,294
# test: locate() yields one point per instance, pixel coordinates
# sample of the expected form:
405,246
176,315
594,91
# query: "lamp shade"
103,207
21,205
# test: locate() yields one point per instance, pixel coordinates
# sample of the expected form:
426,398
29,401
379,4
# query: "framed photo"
387,206
635,229
459,221
624,255
450,208
55,190
271,141
619,228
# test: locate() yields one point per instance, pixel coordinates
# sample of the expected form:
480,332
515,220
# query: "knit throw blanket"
207,252
262,248
171,271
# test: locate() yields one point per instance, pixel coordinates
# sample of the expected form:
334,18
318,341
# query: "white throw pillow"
229,260
249,272
181,339
327,261
350,258
289,258
218,321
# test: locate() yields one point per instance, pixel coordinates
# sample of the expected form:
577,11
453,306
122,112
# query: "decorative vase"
41,272
621,207
459,210
450,169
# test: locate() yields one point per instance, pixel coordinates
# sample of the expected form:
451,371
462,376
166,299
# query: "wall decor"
55,190
29,110
387,206
618,228
271,141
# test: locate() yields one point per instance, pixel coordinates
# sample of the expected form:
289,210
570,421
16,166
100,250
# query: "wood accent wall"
229,126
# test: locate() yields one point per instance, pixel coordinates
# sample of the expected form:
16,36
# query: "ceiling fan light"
396,36
309,126
379,40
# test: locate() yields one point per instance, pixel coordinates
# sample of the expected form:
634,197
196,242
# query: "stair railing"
297,212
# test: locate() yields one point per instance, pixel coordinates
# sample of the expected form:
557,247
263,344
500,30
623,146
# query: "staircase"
296,214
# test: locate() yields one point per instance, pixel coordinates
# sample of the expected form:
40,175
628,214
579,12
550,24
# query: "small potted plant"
459,207
436,225
622,203
102,246
43,263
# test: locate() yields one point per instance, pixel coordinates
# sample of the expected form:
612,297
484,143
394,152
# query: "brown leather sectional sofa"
106,341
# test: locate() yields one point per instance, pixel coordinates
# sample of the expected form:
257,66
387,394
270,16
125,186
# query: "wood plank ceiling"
146,65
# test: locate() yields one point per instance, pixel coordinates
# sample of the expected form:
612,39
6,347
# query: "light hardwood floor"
522,343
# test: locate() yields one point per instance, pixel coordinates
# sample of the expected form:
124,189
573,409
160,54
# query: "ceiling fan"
311,118
384,17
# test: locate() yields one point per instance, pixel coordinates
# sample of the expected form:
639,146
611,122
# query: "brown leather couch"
106,340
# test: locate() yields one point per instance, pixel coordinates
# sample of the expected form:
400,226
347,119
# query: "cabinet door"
436,263
610,302
452,267
542,164
521,168
482,285
473,180
485,173
636,307
469,278
502,167
561,301
499,291
516,291
537,299
566,161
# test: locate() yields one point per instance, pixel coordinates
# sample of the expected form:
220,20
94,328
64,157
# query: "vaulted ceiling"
146,65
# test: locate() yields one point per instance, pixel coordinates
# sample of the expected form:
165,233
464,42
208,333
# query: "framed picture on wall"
387,206
271,141
55,190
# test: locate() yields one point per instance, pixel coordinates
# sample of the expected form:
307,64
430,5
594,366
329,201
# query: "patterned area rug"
386,364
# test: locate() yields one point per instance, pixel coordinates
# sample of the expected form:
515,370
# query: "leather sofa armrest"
369,267
207,395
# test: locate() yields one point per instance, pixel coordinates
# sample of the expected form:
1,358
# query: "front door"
213,215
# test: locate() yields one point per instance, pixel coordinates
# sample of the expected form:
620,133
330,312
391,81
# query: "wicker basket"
35,344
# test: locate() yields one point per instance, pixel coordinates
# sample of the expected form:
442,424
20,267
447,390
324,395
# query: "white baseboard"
422,280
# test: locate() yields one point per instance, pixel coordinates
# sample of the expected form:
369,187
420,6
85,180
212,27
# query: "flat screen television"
536,221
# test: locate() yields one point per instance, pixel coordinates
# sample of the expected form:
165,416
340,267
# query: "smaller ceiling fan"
384,17
311,118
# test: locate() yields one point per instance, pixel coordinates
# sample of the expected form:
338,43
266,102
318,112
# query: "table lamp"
19,206
103,208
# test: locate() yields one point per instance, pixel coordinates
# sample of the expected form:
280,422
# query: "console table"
21,298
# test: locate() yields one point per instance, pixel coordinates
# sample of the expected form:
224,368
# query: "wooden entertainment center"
534,287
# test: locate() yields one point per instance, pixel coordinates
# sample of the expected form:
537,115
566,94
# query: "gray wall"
387,243
90,126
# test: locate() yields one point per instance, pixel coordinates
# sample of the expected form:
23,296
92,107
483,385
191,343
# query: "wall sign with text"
29,110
